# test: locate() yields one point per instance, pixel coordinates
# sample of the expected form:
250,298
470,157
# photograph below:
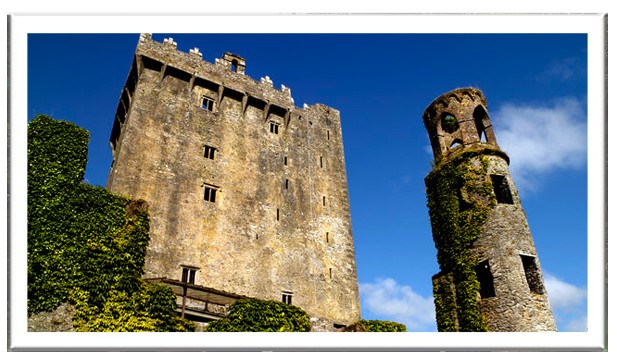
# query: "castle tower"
247,192
490,277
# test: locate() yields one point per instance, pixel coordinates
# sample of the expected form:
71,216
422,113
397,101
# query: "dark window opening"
285,160
277,214
209,152
532,273
210,194
485,277
188,274
321,162
286,298
327,237
501,189
480,118
463,205
324,201
328,135
330,273
274,128
286,183
234,65
207,104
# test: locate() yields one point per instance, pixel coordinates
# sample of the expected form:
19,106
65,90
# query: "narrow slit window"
532,274
286,297
328,135
286,183
209,152
321,162
285,161
485,277
274,128
210,194
207,104
327,237
330,273
501,189
277,214
324,201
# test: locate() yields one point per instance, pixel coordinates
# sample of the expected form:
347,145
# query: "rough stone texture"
58,320
505,237
280,221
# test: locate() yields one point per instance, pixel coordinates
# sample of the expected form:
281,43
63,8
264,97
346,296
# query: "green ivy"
375,326
460,198
86,241
254,315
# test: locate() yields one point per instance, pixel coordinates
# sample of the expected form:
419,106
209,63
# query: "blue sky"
535,84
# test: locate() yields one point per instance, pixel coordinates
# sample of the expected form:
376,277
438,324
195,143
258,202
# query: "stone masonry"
512,297
247,192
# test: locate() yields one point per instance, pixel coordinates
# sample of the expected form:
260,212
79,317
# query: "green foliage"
445,303
460,199
84,240
376,326
449,123
253,315
151,308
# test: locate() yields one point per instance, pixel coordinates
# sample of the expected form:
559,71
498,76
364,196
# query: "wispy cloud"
388,300
540,139
568,302
563,70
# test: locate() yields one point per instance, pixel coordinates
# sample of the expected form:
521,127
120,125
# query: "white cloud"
541,139
562,295
399,303
568,303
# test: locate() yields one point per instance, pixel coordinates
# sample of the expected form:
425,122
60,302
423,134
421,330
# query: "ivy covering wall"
85,242
460,198
254,315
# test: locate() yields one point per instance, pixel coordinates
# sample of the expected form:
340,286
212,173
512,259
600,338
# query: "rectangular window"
274,128
321,162
501,189
328,134
485,277
324,201
287,297
327,237
188,274
277,214
209,152
532,274
210,193
285,161
207,104
286,183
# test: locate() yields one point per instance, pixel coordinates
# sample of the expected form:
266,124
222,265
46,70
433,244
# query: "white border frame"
594,25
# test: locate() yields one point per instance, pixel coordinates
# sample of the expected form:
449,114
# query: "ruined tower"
247,192
490,277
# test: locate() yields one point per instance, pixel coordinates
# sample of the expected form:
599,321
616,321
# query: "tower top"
457,120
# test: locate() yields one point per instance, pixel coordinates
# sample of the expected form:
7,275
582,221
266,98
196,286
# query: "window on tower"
286,297
485,277
532,274
210,193
209,152
274,128
207,104
188,274
501,189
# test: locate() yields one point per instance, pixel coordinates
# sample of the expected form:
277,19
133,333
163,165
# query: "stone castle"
248,195
247,192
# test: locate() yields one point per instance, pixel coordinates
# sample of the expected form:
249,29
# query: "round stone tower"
490,277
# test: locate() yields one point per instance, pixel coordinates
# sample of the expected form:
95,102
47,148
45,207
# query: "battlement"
228,71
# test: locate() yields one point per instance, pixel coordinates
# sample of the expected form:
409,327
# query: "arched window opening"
456,143
449,124
481,119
